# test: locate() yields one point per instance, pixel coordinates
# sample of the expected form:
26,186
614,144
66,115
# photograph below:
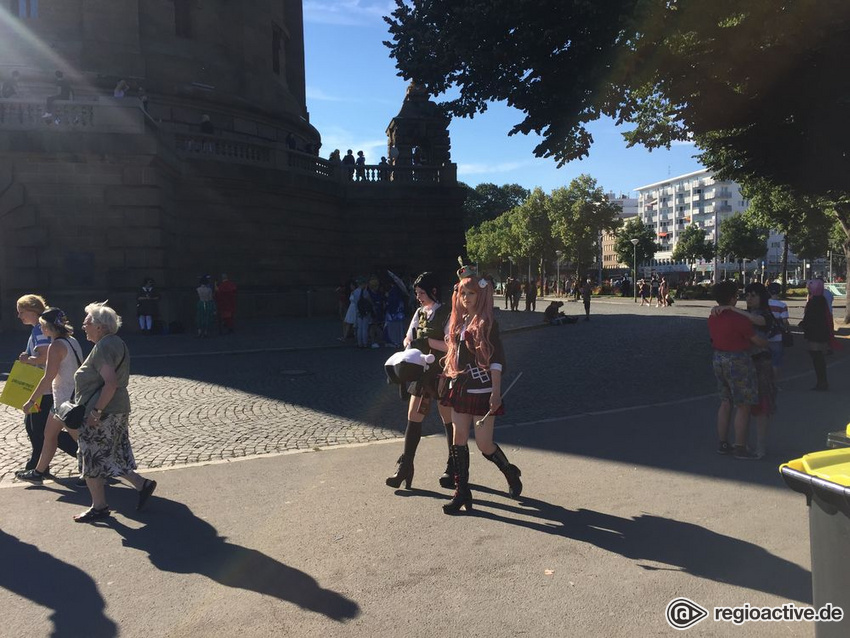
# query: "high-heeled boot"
447,480
511,472
463,495
404,471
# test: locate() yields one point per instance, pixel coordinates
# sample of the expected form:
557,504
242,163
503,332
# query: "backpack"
364,305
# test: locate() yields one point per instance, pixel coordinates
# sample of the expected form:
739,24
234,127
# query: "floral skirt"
105,450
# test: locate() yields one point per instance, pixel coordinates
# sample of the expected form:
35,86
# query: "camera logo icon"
682,613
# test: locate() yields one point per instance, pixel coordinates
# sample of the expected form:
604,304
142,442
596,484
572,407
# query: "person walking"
474,362
64,356
586,294
101,385
780,316
817,329
30,308
427,333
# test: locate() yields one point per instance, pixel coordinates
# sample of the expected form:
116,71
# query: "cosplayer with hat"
418,377
474,364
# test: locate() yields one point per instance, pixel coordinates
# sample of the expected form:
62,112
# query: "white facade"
695,198
628,204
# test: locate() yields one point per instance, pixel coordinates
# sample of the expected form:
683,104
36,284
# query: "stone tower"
206,163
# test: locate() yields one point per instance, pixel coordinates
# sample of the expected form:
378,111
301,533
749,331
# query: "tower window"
182,19
24,8
277,37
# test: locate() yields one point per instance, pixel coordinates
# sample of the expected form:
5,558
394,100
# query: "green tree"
489,243
760,86
646,247
741,239
531,229
806,222
693,245
579,214
488,201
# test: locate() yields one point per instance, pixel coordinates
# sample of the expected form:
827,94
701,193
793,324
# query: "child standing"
474,364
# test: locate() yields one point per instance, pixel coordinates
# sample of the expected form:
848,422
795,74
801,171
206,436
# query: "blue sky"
353,92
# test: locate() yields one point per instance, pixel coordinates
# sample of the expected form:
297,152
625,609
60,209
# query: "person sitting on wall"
63,92
9,88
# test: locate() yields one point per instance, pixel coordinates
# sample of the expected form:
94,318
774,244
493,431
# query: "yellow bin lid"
829,465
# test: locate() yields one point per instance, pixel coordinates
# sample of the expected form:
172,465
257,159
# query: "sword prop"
480,421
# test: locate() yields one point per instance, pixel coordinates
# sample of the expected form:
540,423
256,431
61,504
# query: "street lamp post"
635,241
558,254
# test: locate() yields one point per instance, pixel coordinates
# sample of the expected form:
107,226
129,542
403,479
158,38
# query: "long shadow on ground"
178,541
77,608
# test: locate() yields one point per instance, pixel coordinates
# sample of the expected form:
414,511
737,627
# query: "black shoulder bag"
71,413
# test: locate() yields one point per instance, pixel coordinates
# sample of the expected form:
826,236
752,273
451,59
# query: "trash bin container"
824,477
839,438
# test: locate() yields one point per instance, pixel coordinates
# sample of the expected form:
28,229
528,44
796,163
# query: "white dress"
351,313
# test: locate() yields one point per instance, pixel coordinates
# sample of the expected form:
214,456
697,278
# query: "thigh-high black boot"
511,472
404,472
463,495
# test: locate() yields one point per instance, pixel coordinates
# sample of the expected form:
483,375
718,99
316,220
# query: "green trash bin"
824,477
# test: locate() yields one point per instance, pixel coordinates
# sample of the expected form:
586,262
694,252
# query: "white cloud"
314,93
343,139
347,12
480,169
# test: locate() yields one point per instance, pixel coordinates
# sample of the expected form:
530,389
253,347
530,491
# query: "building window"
24,8
277,37
182,19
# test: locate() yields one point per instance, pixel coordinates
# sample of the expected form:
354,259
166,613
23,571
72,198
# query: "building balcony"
83,116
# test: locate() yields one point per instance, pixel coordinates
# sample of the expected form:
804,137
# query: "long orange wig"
478,321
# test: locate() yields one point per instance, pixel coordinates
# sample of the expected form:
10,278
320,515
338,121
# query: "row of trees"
564,224
515,223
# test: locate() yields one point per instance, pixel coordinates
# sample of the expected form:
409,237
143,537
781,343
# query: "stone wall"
86,216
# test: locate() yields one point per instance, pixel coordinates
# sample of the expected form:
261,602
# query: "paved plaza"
626,504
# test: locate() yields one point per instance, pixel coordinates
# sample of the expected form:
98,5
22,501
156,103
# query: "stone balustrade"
111,116
373,173
215,147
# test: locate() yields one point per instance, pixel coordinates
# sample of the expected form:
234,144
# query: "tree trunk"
784,264
842,212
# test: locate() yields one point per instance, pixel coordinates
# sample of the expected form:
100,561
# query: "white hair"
103,315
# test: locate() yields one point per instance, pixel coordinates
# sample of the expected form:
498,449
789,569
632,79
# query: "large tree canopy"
760,85
487,201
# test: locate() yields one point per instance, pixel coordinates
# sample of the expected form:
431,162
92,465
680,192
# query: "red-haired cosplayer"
474,364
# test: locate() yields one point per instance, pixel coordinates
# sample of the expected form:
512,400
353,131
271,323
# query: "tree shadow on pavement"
178,541
684,546
76,604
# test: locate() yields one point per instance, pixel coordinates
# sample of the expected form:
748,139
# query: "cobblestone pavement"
289,385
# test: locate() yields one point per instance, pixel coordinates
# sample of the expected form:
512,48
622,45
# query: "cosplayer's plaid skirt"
465,403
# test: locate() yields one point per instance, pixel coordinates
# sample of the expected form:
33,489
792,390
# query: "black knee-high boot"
463,495
447,480
404,472
511,472
819,362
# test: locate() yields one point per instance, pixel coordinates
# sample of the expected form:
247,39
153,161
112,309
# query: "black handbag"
787,339
71,413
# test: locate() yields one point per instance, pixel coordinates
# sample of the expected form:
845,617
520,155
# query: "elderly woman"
101,384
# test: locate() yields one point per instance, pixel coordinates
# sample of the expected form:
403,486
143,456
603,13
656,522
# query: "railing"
108,116
373,173
218,148
28,115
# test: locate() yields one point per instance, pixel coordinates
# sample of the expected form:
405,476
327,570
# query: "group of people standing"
748,350
465,381
654,291
98,382
374,312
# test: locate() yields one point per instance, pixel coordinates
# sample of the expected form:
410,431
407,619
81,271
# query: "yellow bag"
19,386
